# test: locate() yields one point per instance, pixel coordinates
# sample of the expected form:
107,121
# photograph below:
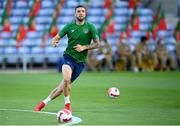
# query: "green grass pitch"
146,98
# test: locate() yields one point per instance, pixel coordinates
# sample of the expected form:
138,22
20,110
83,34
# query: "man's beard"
80,19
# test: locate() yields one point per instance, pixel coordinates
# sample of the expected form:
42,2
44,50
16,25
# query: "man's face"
80,13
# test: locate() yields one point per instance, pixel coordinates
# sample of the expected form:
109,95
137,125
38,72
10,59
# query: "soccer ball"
64,116
113,92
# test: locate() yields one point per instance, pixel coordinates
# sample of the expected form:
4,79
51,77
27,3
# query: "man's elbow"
98,44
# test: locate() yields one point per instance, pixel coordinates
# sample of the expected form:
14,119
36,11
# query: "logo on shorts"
85,30
68,62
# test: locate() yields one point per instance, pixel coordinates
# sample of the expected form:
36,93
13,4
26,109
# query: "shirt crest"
85,30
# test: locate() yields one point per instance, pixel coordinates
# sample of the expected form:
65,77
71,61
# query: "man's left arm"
93,45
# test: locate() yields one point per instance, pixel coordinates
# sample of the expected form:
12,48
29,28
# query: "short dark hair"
78,6
143,38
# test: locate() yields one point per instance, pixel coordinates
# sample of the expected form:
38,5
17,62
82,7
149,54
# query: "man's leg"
67,73
54,93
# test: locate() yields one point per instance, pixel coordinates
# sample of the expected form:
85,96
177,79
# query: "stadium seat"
145,19
145,12
122,20
97,3
65,19
47,3
136,34
40,27
121,4
14,27
21,3
10,42
20,11
1,55
24,52
34,35
43,19
67,11
52,54
37,55
121,11
14,20
72,3
96,15
11,56
96,19
32,42
46,12
1,12
6,35
162,34
95,11
170,47
144,26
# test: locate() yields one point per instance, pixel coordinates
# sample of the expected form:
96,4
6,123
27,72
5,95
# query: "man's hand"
55,41
79,48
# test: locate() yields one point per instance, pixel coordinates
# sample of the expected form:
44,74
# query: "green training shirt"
78,34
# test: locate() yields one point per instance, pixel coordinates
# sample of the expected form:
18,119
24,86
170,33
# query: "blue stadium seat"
1,11
64,19
14,20
67,11
121,11
21,3
24,51
136,34
170,47
11,42
11,55
14,27
43,19
96,19
121,4
34,35
36,53
19,11
52,54
95,11
47,3
72,3
32,42
145,19
145,12
123,19
40,27
6,35
1,55
144,26
46,11
162,34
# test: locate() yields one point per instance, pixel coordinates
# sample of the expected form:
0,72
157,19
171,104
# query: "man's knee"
67,81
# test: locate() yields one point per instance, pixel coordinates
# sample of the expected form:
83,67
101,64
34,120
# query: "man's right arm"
55,40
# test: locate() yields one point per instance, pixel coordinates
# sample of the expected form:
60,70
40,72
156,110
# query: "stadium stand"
32,44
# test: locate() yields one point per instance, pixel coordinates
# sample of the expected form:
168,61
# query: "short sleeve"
94,32
63,32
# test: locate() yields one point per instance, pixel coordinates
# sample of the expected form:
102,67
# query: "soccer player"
80,33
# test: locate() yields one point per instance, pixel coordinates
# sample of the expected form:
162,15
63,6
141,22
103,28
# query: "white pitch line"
75,120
